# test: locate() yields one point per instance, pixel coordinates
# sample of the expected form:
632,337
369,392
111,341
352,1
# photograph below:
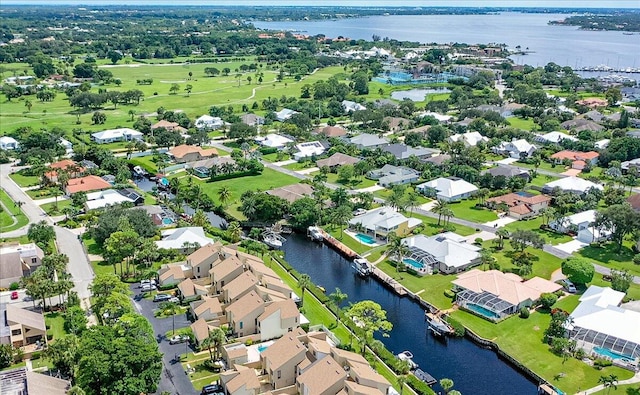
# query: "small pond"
417,94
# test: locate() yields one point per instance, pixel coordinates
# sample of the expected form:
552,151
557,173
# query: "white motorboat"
408,356
315,233
362,267
437,325
273,240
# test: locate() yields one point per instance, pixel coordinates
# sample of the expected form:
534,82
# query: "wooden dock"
389,282
338,245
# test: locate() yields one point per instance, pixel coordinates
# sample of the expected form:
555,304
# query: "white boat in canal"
437,325
408,356
273,240
362,267
315,233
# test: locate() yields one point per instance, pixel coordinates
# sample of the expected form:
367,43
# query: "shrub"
600,363
580,353
547,300
167,287
524,312
14,286
36,355
494,265
412,271
458,328
248,342
449,294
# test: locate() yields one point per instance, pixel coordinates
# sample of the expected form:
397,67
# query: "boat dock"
424,377
389,282
338,245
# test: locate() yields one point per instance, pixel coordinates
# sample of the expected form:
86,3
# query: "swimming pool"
262,347
167,221
482,311
612,354
413,263
366,239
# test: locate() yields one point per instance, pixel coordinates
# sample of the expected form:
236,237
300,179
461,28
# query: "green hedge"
233,175
418,386
457,326
268,150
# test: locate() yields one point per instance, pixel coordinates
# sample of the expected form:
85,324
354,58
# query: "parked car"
568,285
148,287
212,389
161,298
147,282
359,211
174,299
14,295
178,339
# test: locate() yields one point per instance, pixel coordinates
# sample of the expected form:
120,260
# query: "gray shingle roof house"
402,151
390,175
507,171
366,140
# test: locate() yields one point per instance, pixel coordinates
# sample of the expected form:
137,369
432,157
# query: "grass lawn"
542,267
55,323
540,180
42,193
534,225
544,166
466,209
146,162
431,287
347,240
50,208
523,340
623,389
608,256
355,183
431,226
300,165
6,222
274,157
24,181
520,123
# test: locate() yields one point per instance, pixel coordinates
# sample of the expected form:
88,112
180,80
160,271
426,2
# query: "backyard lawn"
543,265
55,325
356,183
524,124
431,226
466,209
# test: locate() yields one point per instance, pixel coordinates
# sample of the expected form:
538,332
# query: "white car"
359,211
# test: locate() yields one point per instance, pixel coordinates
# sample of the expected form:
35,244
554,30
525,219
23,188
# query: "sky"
408,3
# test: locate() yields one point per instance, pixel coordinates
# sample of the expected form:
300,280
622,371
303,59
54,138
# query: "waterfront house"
280,360
390,175
178,238
604,329
190,153
106,198
285,114
516,149
553,138
292,192
242,315
278,318
351,106
446,253
207,122
494,295
18,260
336,160
521,204
368,141
114,135
570,184
403,151
469,139
382,221
449,189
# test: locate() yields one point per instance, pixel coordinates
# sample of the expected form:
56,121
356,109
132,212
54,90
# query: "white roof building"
285,114
601,144
383,220
439,117
309,149
108,197
175,238
470,139
553,137
68,146
111,135
447,189
207,122
571,184
447,252
599,324
515,148
274,140
368,140
8,143
351,106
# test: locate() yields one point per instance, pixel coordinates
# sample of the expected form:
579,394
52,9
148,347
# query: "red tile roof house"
521,205
579,160
68,165
86,184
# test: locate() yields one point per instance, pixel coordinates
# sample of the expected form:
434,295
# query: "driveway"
173,378
571,246
500,222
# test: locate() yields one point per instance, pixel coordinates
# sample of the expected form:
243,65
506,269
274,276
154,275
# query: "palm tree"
412,201
235,231
402,380
132,113
169,308
337,297
215,338
340,217
446,384
439,207
304,282
396,248
224,194
502,234
486,258
447,213
199,218
609,381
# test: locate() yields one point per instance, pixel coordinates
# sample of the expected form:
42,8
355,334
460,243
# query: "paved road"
29,208
79,266
173,378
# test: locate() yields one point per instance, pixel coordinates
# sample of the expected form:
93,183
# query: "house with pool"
495,295
445,253
604,329
378,223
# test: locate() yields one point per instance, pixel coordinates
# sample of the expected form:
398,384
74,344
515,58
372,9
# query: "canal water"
474,370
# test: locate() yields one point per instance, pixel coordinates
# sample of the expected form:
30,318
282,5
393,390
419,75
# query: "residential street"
79,267
173,378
